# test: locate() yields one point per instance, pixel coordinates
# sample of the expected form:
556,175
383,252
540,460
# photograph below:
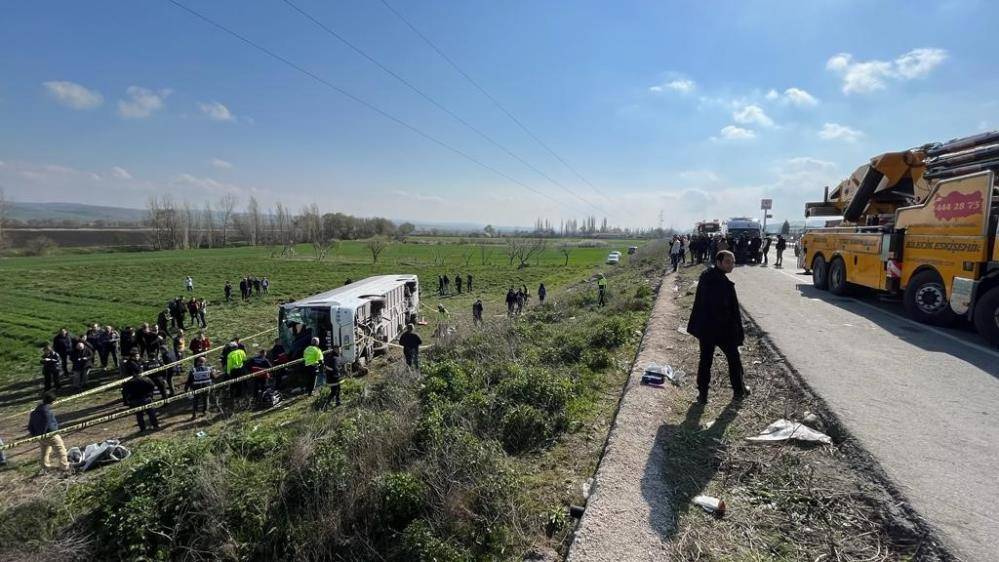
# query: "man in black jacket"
62,344
43,421
410,342
138,391
717,322
50,368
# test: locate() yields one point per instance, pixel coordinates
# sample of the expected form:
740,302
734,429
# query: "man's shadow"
686,459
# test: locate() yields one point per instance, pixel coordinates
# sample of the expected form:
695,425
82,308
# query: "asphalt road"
922,400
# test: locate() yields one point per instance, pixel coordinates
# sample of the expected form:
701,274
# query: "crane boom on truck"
920,223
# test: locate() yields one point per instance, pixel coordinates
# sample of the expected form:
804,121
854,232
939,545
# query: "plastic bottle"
710,504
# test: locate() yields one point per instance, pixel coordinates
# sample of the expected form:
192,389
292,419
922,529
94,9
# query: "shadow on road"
692,457
922,337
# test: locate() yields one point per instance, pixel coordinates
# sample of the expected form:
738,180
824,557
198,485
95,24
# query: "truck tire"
837,277
987,316
820,273
925,300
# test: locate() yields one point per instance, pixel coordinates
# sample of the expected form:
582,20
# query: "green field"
42,294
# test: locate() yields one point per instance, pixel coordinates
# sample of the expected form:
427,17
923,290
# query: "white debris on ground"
782,430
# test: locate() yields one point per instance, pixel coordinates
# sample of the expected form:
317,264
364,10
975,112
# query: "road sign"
766,204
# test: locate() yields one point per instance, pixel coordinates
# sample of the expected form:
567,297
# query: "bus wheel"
820,274
987,316
837,277
926,300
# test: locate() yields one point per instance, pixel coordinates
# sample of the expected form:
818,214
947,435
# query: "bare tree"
226,205
484,252
376,245
523,249
208,222
253,220
316,232
565,248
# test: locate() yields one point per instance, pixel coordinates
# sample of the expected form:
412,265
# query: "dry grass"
786,500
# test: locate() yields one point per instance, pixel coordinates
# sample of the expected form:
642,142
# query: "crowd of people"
249,285
517,299
755,249
444,284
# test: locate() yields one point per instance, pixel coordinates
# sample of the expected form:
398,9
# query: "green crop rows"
40,295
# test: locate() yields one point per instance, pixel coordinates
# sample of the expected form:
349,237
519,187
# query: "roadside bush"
524,428
39,246
419,544
30,524
540,388
597,359
610,333
446,379
401,498
643,291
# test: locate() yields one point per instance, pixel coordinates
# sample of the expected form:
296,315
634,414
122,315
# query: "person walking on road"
715,321
411,342
42,421
781,246
50,368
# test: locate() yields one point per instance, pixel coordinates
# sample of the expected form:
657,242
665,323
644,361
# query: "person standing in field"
50,368
200,343
457,283
411,342
189,283
243,283
138,391
716,321
109,346
511,301
312,358
256,285
43,421
443,321
62,344
468,283
440,285
168,357
228,291
150,340
192,310
333,378
542,293
265,284
259,362
200,376
601,290
163,321
179,344
83,360
477,312
202,309
235,362
447,285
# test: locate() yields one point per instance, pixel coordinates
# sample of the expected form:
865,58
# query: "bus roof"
355,294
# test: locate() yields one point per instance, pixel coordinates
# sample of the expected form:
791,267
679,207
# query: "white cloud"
120,173
220,163
731,132
699,176
835,131
772,95
861,77
216,111
800,98
418,196
752,114
73,95
141,102
675,82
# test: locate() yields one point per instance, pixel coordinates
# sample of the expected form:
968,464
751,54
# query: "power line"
437,104
493,99
359,100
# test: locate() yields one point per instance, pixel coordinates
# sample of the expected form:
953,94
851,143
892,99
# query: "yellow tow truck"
920,223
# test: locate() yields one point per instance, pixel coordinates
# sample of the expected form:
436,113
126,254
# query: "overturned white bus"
359,318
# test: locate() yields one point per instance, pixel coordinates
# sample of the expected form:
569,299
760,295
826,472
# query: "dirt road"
921,400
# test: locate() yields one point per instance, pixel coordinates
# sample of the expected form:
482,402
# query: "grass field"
42,294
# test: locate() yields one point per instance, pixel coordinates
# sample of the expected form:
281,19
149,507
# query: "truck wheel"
926,300
837,278
820,274
987,316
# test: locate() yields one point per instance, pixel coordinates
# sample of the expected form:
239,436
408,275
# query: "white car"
614,258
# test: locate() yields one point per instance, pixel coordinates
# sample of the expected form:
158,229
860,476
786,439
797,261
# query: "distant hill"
72,211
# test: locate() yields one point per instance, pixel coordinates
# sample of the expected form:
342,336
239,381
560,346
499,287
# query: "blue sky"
693,109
